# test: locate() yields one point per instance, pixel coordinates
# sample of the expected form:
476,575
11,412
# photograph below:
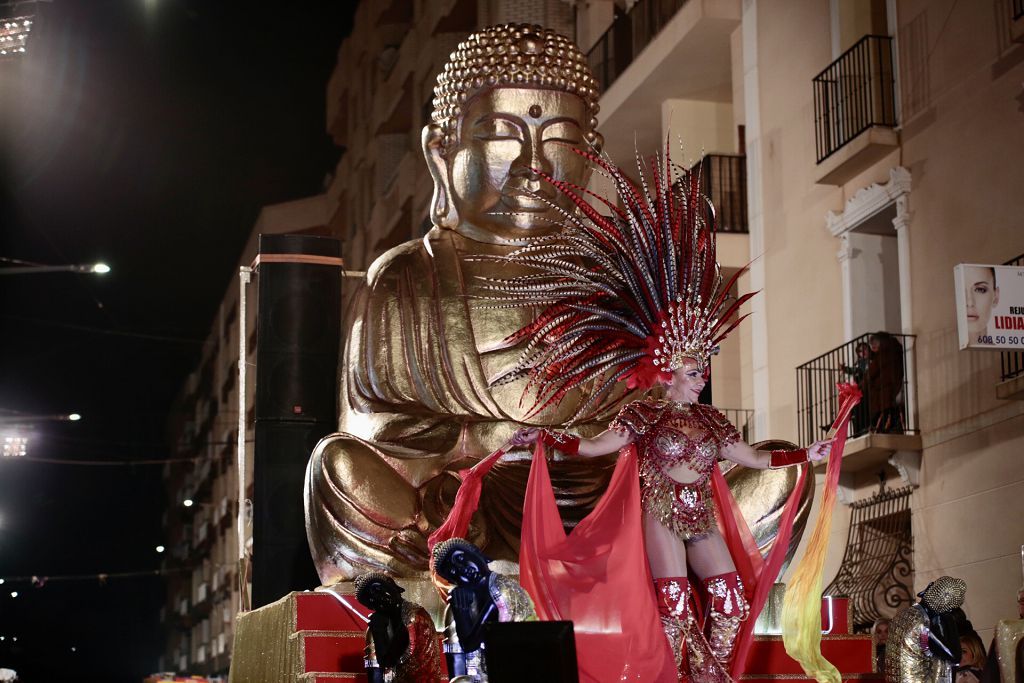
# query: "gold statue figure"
416,405
415,402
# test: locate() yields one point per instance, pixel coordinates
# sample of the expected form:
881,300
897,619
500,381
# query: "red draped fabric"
597,577
467,498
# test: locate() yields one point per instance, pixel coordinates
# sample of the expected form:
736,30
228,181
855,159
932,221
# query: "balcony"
740,418
628,35
855,110
662,50
883,428
723,178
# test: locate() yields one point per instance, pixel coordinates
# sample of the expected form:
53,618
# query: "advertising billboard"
989,306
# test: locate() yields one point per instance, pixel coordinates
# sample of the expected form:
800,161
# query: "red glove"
567,443
780,459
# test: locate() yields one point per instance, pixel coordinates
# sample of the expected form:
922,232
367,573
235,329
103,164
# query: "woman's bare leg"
709,556
666,554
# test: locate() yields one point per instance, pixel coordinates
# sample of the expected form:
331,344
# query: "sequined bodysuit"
668,434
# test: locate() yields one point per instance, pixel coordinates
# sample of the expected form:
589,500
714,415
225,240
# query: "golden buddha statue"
415,397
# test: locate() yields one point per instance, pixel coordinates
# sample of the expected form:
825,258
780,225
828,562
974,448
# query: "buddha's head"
378,591
512,103
460,563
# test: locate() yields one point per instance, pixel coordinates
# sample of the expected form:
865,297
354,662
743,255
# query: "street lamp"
15,418
29,268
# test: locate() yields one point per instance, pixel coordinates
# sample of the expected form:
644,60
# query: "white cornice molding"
869,201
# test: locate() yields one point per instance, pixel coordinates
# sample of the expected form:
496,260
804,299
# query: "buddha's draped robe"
416,408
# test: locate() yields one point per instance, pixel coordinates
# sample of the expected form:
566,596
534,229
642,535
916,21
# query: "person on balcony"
884,383
858,373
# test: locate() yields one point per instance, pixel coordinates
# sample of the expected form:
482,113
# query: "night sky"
145,134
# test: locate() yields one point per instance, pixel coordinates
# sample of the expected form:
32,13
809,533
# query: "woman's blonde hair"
971,642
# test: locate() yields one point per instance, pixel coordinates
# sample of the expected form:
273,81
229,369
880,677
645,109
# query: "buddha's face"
383,595
465,568
507,138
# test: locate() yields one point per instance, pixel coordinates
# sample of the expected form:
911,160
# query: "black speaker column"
298,328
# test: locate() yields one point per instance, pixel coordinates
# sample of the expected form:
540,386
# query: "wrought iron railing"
740,419
881,364
1011,363
853,93
723,178
628,35
877,571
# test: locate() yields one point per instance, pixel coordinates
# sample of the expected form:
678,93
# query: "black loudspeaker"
535,651
298,335
298,328
281,559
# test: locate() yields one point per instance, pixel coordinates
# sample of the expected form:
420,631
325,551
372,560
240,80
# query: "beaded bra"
674,434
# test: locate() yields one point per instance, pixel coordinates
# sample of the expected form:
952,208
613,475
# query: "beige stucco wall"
960,140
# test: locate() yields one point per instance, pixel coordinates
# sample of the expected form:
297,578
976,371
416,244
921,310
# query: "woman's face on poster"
981,295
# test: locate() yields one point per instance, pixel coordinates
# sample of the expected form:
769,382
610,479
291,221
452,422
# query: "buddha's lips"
524,200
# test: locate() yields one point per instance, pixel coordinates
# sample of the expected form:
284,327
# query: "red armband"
780,459
567,443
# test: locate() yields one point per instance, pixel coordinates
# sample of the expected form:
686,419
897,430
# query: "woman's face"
687,382
967,654
981,295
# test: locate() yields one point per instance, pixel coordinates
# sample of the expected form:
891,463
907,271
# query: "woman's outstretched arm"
742,454
608,441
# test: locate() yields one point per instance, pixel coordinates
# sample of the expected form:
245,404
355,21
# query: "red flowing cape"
598,577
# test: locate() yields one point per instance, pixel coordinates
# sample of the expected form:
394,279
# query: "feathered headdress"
626,296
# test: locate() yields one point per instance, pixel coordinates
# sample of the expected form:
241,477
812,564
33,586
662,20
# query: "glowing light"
15,446
2,581
14,35
188,502
14,594
101,268
74,417
160,548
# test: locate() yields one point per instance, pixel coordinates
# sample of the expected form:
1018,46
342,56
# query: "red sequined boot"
727,608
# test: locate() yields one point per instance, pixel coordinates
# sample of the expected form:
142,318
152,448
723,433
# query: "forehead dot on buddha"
536,111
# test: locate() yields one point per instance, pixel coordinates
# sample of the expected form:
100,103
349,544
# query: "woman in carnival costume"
634,295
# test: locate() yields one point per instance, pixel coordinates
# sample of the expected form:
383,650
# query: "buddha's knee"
351,480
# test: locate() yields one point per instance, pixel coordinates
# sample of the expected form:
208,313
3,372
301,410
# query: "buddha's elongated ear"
442,208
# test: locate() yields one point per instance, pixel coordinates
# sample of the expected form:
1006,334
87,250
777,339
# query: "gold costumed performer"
924,645
635,297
